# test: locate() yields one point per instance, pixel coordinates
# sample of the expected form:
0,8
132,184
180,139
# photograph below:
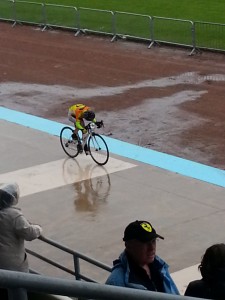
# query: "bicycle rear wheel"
68,144
98,149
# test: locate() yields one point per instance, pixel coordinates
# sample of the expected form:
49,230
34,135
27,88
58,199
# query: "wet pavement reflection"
91,185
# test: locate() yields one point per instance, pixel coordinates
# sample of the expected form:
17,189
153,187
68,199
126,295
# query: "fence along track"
153,29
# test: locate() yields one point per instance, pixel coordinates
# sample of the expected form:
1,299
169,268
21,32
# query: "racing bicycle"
92,143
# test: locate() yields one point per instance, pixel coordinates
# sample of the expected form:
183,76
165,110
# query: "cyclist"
76,114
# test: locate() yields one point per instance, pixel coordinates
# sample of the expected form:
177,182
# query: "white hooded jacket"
14,230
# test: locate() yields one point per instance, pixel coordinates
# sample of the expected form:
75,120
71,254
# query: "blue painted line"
165,161
31,121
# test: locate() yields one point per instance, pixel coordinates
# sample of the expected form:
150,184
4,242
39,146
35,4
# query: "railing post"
114,27
193,33
17,294
44,16
78,21
113,24
75,18
152,32
14,12
76,267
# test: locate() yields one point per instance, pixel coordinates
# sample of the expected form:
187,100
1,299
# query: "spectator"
14,230
138,265
212,268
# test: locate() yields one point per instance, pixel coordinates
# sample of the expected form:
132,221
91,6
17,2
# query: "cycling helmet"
89,115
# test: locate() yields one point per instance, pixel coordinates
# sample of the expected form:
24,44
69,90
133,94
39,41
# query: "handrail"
51,262
76,253
19,283
76,257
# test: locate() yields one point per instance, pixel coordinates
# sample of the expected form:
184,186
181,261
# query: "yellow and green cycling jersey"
76,112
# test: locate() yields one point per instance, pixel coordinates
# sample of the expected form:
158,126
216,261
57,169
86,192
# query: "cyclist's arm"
78,125
71,116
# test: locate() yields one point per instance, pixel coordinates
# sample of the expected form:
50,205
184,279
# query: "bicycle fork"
95,143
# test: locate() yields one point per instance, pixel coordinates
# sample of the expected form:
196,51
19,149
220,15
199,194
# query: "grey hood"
9,194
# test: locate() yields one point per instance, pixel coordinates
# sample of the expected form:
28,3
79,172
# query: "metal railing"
172,31
95,20
19,283
49,20
21,15
178,32
131,25
77,257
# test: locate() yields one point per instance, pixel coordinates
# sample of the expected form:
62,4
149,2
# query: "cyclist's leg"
86,149
75,133
72,119
84,138
75,136
83,135
83,125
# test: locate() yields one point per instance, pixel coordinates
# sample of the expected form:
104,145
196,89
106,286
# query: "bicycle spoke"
98,149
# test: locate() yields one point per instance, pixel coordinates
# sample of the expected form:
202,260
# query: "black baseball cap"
141,231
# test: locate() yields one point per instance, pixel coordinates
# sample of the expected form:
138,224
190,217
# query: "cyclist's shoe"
86,149
99,124
80,148
74,137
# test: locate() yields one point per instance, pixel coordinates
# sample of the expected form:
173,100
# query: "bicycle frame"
90,132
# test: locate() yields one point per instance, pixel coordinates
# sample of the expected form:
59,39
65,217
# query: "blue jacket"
121,272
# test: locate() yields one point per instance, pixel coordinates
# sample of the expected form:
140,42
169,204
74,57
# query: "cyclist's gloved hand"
99,124
84,131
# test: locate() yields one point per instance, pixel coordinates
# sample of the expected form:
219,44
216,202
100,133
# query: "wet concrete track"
86,207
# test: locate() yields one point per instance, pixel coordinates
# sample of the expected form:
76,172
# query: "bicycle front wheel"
68,144
98,149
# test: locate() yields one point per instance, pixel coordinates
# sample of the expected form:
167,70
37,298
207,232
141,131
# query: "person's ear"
128,245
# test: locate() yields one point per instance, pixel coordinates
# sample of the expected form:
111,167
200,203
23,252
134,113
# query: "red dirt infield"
160,98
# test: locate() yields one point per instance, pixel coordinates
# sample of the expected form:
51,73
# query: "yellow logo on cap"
146,226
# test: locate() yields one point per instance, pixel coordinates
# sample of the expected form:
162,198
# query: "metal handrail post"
78,254
76,267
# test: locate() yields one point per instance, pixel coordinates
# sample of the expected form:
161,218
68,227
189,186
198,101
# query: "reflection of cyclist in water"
92,192
91,184
85,199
